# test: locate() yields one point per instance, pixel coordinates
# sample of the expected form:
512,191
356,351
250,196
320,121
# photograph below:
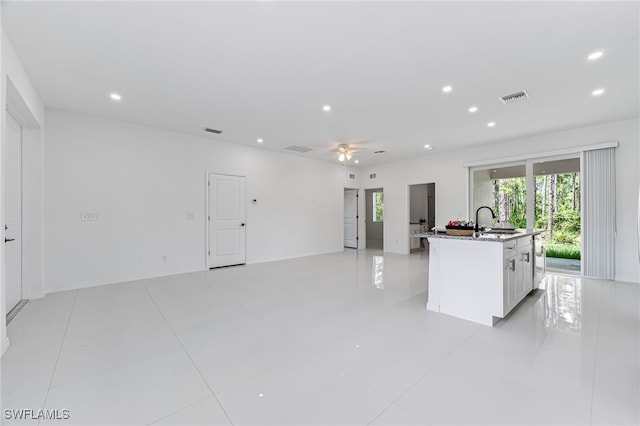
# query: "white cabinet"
509,284
479,279
517,279
509,278
524,267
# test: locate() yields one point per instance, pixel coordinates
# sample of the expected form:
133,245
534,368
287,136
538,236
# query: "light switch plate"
89,217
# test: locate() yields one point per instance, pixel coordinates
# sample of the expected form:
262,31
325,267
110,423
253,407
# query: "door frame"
32,196
409,208
19,232
357,247
207,221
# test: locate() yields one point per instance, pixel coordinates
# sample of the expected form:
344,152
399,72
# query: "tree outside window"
378,206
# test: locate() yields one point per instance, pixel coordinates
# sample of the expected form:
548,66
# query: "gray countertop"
479,236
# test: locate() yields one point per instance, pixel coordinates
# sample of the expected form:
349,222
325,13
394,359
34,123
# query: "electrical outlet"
164,258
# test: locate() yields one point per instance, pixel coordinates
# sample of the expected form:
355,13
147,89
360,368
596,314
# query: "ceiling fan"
345,151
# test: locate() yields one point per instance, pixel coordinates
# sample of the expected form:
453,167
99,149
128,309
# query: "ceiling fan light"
348,156
341,157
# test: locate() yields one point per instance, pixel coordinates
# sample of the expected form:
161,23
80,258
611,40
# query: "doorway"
226,221
350,218
558,211
374,218
13,213
422,215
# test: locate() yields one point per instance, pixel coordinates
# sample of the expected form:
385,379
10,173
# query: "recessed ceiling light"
260,141
473,109
447,89
356,161
491,124
115,96
597,92
326,108
595,55
427,146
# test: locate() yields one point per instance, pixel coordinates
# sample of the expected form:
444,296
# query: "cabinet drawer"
509,247
525,241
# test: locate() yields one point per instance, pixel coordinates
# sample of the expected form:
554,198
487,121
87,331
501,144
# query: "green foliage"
563,251
510,200
567,221
565,238
517,220
378,206
559,194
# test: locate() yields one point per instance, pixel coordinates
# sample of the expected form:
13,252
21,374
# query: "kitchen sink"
500,231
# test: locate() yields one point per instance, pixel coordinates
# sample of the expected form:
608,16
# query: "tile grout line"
422,377
188,355
595,361
64,336
178,410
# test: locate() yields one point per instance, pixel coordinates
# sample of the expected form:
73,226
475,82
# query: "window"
378,206
541,193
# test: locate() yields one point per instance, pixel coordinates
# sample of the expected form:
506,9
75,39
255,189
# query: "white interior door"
226,220
13,213
351,218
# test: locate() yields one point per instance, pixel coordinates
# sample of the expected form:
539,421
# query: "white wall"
19,94
447,171
142,182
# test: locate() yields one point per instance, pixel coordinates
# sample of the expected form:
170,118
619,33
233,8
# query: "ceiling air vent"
217,132
297,148
380,152
518,96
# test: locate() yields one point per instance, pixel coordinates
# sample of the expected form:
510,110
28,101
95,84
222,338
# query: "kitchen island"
480,278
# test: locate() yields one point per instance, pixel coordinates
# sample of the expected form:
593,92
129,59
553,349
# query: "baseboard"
627,279
90,284
254,262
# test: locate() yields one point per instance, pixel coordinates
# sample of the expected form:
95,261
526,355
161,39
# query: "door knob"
242,224
6,240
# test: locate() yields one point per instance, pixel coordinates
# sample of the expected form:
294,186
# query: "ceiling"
266,69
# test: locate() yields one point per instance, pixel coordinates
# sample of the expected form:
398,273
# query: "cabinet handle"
526,257
512,265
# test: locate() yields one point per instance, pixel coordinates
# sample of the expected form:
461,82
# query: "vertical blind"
599,213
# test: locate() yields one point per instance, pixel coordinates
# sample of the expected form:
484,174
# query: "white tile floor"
333,339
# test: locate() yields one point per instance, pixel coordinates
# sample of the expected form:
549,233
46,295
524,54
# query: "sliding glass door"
539,193
503,189
558,211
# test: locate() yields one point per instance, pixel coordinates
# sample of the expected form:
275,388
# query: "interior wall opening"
350,221
422,213
374,218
